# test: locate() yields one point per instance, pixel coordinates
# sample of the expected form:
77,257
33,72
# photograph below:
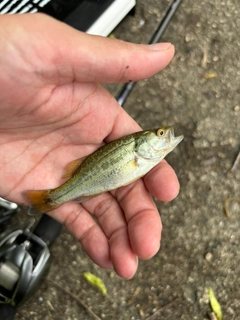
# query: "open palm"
52,111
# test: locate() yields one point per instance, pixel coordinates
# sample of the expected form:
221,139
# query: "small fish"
116,164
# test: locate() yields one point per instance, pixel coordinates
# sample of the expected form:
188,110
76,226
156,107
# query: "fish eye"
161,133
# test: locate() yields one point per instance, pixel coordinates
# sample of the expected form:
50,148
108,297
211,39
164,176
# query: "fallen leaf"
95,281
210,75
216,308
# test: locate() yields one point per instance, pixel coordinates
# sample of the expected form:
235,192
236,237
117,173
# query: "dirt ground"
198,93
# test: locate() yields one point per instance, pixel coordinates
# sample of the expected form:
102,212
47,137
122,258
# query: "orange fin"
72,167
41,200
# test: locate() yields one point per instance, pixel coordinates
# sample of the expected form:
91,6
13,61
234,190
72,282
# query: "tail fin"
41,200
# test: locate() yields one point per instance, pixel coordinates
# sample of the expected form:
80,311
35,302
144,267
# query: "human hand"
53,110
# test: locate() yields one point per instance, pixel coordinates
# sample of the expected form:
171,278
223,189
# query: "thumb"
69,54
105,60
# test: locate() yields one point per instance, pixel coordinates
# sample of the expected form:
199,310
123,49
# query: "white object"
111,17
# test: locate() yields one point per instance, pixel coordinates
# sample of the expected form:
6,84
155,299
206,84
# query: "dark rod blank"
155,38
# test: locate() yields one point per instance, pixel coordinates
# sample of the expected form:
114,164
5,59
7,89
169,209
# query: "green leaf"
112,36
158,262
215,304
95,281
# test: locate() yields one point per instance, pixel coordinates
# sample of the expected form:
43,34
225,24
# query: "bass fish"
116,164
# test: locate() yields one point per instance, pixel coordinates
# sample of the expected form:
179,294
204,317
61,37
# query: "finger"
116,61
78,56
112,220
125,261
82,226
162,182
144,224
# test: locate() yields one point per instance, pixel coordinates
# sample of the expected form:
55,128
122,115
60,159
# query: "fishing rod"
155,38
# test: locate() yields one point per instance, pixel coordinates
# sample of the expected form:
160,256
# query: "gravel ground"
199,93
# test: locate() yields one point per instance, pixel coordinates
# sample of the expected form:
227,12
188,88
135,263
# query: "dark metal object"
80,14
24,259
7,210
155,38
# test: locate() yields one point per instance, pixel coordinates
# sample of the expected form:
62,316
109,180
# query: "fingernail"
160,46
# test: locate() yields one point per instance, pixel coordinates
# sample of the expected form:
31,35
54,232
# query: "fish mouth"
174,141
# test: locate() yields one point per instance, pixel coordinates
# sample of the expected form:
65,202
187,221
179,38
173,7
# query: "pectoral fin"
71,167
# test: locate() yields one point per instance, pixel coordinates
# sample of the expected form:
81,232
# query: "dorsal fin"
71,167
